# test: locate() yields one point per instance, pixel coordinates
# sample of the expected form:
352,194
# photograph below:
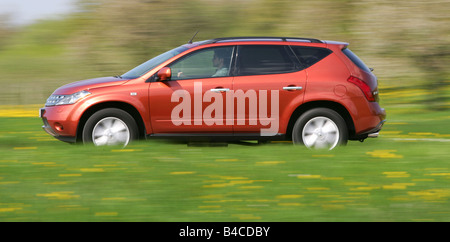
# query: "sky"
22,12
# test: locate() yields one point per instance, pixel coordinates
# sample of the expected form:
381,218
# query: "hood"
89,84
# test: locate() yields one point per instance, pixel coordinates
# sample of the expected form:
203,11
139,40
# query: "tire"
110,126
320,128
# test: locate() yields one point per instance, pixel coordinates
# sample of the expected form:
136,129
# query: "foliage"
404,41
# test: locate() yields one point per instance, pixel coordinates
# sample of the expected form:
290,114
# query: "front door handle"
220,90
291,88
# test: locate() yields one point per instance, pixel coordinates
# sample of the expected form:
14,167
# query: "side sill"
216,136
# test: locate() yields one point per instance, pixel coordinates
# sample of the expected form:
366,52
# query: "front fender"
121,97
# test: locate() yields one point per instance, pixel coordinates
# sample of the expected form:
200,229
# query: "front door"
194,100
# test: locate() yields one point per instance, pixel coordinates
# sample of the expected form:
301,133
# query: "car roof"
265,39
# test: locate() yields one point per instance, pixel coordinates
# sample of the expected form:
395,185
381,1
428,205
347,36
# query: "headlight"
54,100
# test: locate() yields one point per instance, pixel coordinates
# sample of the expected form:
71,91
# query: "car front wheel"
320,128
110,126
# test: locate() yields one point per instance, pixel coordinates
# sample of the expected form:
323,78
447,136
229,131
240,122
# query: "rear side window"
309,56
265,59
355,59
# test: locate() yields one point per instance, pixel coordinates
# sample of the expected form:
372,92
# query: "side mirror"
164,74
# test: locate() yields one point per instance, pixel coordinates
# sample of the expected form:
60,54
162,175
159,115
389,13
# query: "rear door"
268,85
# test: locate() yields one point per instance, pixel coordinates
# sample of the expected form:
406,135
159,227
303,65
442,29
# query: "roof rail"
264,38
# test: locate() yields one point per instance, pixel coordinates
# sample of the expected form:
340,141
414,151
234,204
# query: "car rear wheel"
320,128
110,126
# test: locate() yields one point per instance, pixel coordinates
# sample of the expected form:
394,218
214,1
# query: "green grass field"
401,176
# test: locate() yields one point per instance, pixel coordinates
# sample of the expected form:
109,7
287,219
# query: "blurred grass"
401,176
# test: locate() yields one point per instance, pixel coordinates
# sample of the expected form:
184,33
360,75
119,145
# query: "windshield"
152,63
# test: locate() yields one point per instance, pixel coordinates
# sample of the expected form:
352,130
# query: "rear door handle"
290,88
220,90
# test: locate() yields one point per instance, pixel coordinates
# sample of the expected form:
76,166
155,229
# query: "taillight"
364,88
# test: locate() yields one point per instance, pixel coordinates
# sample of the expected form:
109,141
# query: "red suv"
313,92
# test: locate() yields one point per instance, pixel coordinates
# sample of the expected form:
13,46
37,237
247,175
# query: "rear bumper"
373,133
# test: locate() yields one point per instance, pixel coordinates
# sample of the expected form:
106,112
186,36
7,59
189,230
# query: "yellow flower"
384,154
396,174
289,196
182,172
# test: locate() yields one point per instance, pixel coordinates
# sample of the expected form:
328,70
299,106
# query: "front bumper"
47,128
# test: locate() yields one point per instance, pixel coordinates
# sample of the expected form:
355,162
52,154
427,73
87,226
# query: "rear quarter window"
355,59
309,56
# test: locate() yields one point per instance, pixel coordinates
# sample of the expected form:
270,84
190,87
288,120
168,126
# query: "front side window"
265,59
205,63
